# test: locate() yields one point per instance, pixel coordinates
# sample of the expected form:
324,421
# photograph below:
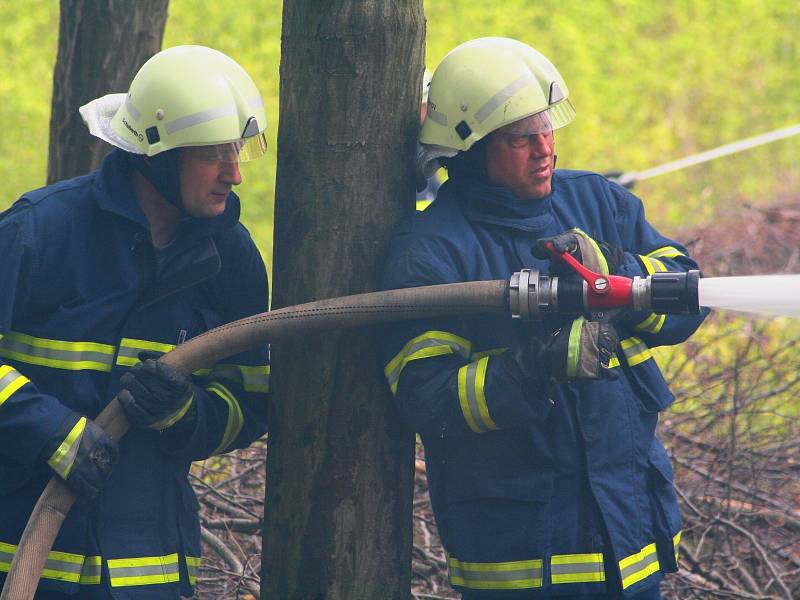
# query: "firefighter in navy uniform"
545,474
100,274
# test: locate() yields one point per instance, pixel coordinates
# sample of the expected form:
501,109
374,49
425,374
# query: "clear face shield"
556,116
240,151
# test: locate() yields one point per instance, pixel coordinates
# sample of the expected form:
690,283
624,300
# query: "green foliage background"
652,82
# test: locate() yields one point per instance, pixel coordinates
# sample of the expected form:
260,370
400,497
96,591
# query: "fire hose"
529,295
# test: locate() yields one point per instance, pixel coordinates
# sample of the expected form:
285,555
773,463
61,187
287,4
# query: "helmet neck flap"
163,172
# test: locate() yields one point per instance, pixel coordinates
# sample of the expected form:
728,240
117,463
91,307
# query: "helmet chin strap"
163,172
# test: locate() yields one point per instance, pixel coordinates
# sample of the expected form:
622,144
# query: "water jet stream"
776,295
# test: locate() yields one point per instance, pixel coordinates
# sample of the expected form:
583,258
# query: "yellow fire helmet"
184,96
489,83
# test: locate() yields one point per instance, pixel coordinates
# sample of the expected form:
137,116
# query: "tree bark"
101,45
340,467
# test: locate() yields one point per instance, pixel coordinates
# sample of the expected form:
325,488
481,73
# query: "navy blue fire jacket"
574,499
82,293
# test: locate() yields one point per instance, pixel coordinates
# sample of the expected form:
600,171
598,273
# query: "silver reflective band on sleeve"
665,252
653,265
59,354
426,345
652,324
639,566
635,351
148,570
64,457
515,575
10,381
577,568
471,397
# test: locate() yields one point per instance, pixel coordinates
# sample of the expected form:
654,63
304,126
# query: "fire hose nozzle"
533,295
667,293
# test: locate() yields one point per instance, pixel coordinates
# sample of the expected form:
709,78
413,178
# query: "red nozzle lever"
605,291
599,284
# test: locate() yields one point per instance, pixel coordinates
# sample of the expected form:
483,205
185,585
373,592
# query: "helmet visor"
240,151
550,119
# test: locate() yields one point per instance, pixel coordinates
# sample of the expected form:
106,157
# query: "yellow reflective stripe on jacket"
235,418
192,568
577,568
73,356
10,381
91,571
665,252
515,575
147,570
653,265
64,457
129,350
251,378
676,542
638,566
635,350
652,324
427,345
471,398
60,566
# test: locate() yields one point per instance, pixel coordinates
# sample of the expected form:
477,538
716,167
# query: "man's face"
206,182
522,163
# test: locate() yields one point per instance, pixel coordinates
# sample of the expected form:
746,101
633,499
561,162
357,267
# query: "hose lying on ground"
206,350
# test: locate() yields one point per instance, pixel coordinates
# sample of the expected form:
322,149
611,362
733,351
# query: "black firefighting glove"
156,396
600,257
82,454
581,350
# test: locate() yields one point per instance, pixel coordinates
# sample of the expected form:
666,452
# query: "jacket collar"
114,193
497,205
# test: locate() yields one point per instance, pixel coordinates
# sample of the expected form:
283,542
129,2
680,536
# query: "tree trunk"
340,469
101,45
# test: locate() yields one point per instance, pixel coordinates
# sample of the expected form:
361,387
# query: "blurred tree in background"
125,35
